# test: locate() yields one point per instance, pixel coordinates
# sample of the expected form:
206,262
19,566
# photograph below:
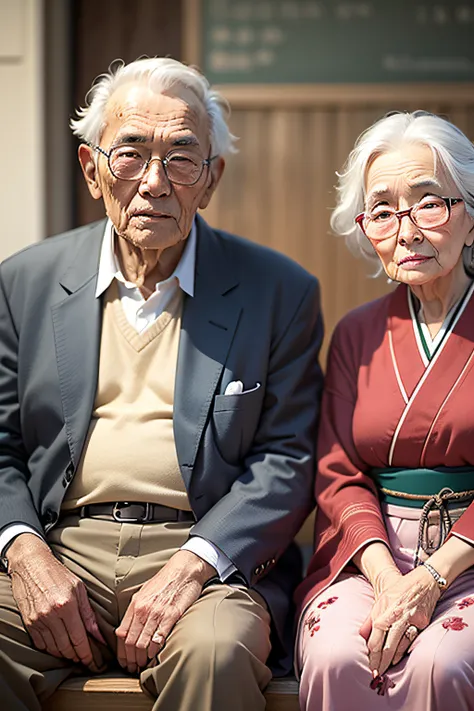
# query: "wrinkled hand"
53,603
401,601
157,606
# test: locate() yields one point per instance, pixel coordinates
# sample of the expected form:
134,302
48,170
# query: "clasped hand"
401,601
157,606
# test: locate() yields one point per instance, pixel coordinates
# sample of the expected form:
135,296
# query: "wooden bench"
114,692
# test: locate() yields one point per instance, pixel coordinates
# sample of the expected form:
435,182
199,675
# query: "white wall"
22,184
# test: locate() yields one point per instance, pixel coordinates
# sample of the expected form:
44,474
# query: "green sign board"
337,41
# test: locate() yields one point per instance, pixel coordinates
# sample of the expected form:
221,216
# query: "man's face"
151,212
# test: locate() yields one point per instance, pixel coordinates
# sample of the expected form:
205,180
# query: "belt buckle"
122,505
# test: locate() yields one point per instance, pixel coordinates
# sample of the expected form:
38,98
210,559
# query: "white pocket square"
236,387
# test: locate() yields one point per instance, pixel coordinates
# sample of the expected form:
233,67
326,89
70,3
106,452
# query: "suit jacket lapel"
77,323
209,321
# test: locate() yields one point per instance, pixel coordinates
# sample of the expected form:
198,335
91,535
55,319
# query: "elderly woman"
387,617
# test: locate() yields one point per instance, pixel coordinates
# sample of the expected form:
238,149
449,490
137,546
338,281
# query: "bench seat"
115,692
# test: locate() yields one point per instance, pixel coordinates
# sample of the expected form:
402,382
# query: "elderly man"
158,395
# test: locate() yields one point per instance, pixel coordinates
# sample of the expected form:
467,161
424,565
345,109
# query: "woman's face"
398,180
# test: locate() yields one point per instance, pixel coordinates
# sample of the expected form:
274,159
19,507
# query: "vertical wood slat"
279,189
104,32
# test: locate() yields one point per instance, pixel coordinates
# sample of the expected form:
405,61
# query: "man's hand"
157,606
53,602
401,601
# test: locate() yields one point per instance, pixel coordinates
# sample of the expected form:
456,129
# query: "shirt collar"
109,268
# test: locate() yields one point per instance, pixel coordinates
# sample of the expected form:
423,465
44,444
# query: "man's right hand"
53,602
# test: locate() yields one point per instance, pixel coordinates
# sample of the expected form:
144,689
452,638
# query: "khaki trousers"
213,660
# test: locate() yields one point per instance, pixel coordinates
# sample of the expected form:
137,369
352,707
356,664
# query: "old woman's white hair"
451,149
161,74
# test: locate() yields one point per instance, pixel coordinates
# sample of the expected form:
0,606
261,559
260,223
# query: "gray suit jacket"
247,460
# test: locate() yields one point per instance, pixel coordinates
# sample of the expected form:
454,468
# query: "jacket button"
68,475
49,517
259,570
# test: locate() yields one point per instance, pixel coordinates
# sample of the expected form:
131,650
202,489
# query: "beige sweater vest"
130,452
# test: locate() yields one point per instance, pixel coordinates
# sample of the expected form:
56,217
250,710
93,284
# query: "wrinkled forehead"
156,113
409,166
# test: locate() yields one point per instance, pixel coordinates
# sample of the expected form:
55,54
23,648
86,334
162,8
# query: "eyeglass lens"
428,213
130,163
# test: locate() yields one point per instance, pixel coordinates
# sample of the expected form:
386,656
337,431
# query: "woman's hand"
401,601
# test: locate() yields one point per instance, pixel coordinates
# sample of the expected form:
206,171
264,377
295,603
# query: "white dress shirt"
141,313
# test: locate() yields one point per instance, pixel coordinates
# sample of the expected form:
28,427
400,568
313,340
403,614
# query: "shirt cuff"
11,532
212,555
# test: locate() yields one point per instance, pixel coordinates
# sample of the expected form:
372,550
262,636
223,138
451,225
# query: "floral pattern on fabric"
381,684
466,602
454,623
313,620
312,623
326,603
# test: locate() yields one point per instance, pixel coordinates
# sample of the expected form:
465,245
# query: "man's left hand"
157,606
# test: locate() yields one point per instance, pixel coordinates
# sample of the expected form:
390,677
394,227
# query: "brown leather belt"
134,512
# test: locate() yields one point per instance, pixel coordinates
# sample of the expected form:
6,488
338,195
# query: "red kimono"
386,405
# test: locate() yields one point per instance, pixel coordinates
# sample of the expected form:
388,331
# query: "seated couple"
159,389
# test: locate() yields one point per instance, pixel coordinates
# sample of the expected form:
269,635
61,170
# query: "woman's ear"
470,238
215,174
89,170
468,260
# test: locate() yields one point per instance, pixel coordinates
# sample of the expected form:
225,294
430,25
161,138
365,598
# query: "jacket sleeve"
348,505
348,510
16,505
257,519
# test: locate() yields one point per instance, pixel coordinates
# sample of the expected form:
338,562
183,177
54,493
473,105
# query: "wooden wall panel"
105,31
279,189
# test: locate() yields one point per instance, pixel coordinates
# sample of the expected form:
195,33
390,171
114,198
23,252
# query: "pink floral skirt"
437,674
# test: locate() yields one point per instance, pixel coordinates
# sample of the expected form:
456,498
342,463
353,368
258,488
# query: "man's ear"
89,170
215,174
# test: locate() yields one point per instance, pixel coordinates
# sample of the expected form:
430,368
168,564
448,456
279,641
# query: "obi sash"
442,495
415,487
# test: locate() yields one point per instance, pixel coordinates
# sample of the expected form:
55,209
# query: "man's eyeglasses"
383,222
132,162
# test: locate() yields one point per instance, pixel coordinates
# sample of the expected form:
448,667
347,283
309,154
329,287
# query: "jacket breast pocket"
235,419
